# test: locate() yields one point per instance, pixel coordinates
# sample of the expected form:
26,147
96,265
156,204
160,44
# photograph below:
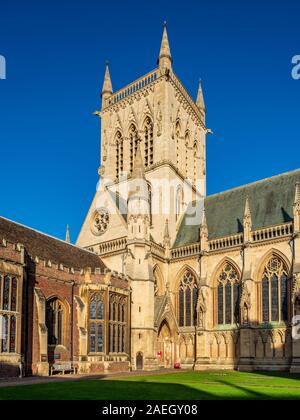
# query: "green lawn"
174,386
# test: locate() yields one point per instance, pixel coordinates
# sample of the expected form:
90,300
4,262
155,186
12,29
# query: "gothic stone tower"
154,130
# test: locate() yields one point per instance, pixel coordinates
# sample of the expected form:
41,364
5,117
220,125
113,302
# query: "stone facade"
161,274
47,290
216,290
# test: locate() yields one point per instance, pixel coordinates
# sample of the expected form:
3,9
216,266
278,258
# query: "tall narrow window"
228,292
274,290
220,304
148,130
177,134
133,140
8,312
55,322
117,323
187,300
186,144
96,328
119,154
265,299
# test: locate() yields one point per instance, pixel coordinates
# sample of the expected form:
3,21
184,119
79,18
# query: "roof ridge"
49,236
260,181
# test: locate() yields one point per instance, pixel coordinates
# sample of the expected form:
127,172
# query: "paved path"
34,380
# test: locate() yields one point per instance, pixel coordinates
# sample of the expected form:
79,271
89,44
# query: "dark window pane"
6,293
181,308
236,302
195,297
228,303
114,338
123,313
188,307
93,306
274,297
13,305
4,338
12,344
59,325
220,304
100,339
265,299
284,295
123,339
100,310
92,338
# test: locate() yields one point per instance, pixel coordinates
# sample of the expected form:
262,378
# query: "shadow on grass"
139,390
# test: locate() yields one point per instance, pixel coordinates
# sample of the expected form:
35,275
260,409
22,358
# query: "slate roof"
271,203
47,247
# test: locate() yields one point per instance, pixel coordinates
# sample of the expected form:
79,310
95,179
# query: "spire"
167,234
297,193
296,208
247,222
204,233
138,165
200,99
165,58
107,89
68,235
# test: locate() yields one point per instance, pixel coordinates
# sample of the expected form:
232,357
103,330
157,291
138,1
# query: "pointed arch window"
186,147
148,130
55,318
8,312
96,323
187,300
119,154
228,296
117,323
133,140
274,291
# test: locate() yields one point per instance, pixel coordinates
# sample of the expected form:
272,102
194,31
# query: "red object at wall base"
177,366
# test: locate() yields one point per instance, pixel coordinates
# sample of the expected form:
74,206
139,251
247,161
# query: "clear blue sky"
55,52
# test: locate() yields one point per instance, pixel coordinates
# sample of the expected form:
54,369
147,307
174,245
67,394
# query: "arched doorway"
139,361
165,346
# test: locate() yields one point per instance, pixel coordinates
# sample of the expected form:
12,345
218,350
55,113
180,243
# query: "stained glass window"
4,339
187,301
117,323
274,298
6,293
229,284
12,340
220,304
284,297
100,339
92,337
181,307
54,322
93,306
96,334
228,306
8,319
275,284
13,304
265,299
236,302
